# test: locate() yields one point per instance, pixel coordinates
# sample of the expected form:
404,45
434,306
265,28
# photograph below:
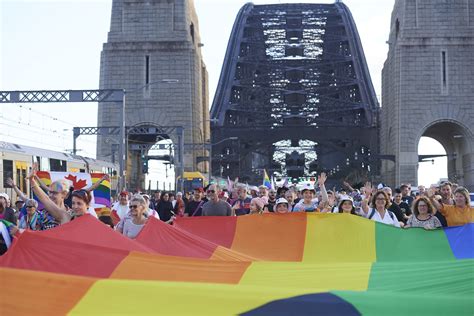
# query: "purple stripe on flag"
101,200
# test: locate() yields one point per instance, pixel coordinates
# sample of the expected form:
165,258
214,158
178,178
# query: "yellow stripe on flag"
330,239
309,277
114,297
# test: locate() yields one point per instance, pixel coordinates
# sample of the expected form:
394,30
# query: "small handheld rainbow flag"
266,179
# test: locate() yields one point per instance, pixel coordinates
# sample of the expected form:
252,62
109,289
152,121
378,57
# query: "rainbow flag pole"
266,179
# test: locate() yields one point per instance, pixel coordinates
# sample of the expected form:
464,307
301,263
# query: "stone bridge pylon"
427,88
153,51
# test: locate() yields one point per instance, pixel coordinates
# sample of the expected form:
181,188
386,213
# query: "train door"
21,173
7,171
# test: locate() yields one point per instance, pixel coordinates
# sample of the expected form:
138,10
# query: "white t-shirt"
153,213
91,211
387,219
302,207
122,210
128,228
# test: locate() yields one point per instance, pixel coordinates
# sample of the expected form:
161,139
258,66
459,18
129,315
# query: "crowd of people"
444,205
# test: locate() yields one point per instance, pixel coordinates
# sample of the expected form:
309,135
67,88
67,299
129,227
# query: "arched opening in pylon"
431,169
161,171
150,161
445,144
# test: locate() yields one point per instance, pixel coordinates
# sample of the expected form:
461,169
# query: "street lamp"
210,152
123,136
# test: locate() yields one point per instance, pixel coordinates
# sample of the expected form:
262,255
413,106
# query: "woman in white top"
132,224
378,209
346,205
308,203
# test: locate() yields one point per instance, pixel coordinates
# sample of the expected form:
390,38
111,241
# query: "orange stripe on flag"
35,293
223,253
167,268
273,237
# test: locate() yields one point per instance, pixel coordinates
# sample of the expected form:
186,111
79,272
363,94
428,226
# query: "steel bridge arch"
321,87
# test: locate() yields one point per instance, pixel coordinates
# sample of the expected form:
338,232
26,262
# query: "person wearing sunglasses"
215,206
423,215
33,218
378,211
194,206
132,224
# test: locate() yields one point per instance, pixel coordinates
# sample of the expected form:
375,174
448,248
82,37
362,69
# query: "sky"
54,45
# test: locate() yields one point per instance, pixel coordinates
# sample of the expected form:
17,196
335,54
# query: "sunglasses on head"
80,192
29,206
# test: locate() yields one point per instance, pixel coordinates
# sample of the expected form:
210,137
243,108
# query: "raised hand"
430,192
11,183
322,178
368,189
33,170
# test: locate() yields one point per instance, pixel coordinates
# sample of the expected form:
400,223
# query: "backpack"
372,213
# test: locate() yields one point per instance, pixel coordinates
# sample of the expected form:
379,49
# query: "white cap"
308,186
343,198
281,201
4,195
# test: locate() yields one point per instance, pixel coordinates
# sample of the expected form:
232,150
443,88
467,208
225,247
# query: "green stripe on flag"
395,303
413,244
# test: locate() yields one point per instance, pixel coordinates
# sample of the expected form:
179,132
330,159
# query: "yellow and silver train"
15,161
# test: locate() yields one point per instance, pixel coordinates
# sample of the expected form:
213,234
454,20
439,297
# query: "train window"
44,165
7,171
20,179
57,165
37,159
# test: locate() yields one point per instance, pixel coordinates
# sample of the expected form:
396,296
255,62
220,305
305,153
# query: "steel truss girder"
47,96
115,130
277,64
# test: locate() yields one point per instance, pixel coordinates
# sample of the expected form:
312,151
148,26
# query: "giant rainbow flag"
294,264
